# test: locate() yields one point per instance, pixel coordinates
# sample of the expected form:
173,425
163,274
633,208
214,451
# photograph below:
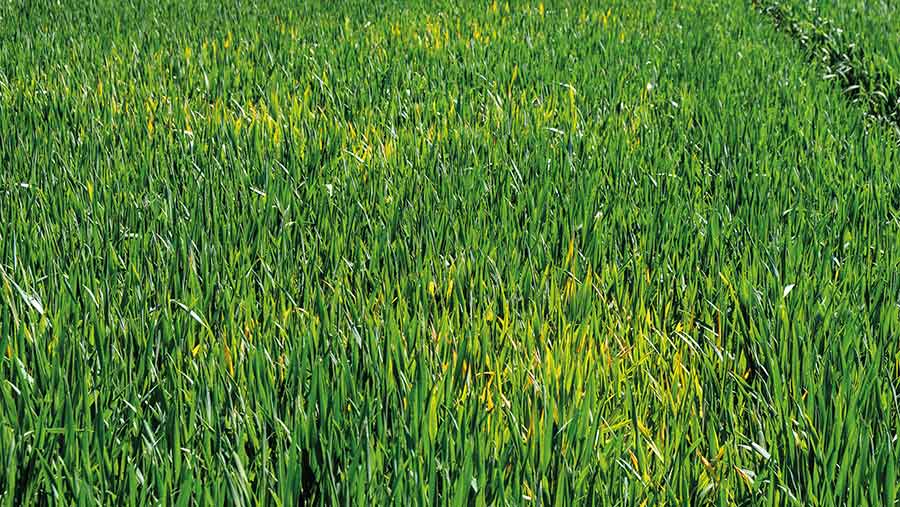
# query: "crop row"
861,59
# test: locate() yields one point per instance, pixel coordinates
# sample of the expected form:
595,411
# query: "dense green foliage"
854,44
616,253
873,24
